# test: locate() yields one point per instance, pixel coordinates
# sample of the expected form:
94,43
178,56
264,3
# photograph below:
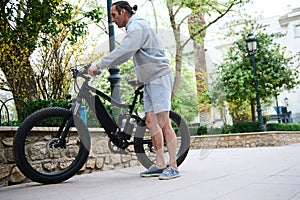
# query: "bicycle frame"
91,96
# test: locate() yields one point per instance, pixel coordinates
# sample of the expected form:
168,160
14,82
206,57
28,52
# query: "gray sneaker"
169,173
153,171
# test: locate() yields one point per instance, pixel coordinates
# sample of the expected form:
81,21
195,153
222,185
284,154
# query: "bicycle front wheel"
47,146
144,148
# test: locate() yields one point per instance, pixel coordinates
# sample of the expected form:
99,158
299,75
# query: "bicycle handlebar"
83,72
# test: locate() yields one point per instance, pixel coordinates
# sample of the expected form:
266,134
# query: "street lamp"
114,77
286,102
252,46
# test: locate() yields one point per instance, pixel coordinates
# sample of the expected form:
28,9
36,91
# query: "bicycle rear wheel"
145,151
42,153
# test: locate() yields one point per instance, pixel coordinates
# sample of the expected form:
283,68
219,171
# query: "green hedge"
244,127
34,105
282,127
240,127
198,130
203,130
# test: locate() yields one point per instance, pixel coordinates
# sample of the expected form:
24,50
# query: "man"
152,68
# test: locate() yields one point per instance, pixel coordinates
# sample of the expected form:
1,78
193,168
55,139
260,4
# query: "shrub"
202,130
198,130
214,131
193,130
244,127
282,127
34,105
227,128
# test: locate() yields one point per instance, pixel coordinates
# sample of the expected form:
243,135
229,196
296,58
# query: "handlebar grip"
85,68
135,83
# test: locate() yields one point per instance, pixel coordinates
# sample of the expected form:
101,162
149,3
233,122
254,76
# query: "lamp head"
251,43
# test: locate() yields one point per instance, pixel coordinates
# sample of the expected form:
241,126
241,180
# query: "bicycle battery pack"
104,117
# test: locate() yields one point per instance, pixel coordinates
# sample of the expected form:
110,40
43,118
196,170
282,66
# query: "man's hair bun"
135,7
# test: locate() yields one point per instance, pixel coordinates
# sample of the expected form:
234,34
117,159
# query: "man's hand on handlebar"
93,70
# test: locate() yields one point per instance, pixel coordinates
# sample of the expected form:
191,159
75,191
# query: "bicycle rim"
38,150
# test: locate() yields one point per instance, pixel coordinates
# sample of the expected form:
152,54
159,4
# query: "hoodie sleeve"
131,43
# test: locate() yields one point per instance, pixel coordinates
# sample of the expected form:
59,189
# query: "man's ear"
123,11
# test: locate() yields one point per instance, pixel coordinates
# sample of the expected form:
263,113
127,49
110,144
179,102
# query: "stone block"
8,142
9,155
107,159
99,163
100,147
83,168
134,163
107,167
115,159
125,158
16,176
4,171
2,156
91,162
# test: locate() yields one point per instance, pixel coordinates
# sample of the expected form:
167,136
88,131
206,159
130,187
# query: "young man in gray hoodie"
152,68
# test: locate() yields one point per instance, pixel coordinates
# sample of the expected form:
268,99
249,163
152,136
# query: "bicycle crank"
115,149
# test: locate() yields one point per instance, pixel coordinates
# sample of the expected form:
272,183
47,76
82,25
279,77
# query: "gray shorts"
157,94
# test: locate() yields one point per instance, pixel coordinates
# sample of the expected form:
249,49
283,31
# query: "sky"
271,8
268,8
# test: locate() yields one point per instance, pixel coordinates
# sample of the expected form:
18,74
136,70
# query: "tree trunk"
200,70
179,48
196,21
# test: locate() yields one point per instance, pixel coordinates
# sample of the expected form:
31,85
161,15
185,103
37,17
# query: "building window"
297,30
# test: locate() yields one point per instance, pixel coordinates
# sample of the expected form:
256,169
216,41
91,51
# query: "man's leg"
169,136
157,138
160,128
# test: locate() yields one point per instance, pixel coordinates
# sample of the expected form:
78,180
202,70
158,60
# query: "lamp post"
252,46
277,110
114,77
286,102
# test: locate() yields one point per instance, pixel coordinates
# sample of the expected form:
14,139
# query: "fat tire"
139,147
19,148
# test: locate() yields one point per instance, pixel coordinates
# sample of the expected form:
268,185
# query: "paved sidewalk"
266,173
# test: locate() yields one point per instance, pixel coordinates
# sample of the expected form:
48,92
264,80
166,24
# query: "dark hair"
125,5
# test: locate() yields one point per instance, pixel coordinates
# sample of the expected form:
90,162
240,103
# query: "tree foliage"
275,70
26,24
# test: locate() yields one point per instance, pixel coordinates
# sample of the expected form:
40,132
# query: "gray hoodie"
141,42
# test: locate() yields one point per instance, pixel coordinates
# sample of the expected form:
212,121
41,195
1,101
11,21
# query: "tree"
53,60
22,23
197,10
275,71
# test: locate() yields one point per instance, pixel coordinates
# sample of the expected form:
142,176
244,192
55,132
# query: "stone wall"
101,158
276,138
